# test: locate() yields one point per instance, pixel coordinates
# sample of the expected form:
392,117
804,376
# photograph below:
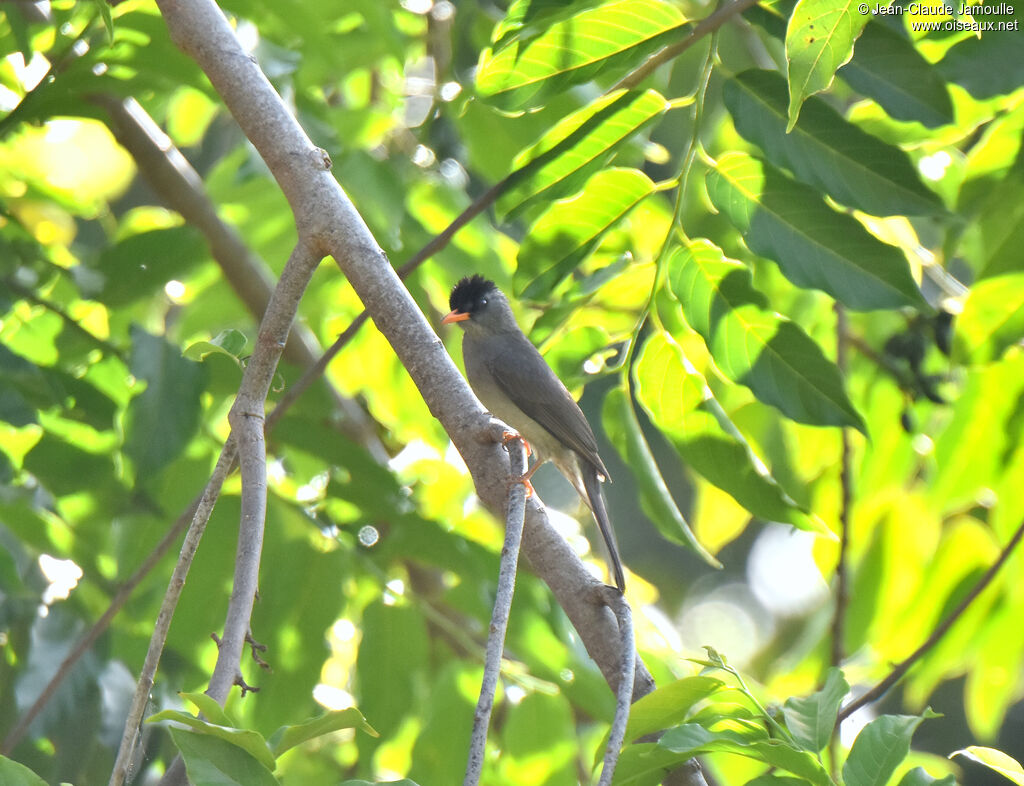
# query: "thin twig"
624,693
247,422
846,496
706,25
897,673
170,602
499,617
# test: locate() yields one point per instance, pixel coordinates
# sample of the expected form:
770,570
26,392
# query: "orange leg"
507,437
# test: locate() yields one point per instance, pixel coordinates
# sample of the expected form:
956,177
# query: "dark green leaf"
244,739
879,748
987,65
611,38
692,739
919,777
14,774
754,345
825,150
814,246
161,421
211,761
811,719
142,264
888,68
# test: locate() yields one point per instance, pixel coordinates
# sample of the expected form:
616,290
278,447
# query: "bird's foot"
525,480
509,436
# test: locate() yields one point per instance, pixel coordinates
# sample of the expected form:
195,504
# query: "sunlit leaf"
678,401
754,345
289,736
577,146
814,245
669,704
596,41
623,429
825,150
996,760
819,39
571,229
992,319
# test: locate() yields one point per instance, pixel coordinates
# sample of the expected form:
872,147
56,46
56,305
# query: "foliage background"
379,571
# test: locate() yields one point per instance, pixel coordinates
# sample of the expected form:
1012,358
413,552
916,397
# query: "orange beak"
454,316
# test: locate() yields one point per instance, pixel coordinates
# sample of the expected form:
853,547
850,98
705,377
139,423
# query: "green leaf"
919,777
969,451
623,429
827,151
210,708
562,160
668,704
227,342
211,761
888,68
607,39
247,740
678,401
692,739
992,319
879,748
402,782
161,421
819,39
776,780
811,719
1000,225
814,246
571,229
752,344
14,774
996,760
289,736
987,65
140,265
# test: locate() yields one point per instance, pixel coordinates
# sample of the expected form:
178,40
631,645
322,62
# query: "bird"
516,385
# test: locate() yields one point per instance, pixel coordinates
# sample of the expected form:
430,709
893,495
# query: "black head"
471,294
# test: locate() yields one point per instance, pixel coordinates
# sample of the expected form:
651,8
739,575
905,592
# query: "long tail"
592,484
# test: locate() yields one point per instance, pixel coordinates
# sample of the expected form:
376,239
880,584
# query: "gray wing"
532,386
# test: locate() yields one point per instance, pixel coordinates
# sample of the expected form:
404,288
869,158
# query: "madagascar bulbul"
514,382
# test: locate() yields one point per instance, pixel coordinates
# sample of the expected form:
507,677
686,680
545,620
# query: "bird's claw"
509,436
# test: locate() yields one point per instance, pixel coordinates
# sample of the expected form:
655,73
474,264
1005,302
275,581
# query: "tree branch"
327,218
502,608
163,621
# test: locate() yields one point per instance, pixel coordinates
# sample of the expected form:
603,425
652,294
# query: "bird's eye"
483,301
